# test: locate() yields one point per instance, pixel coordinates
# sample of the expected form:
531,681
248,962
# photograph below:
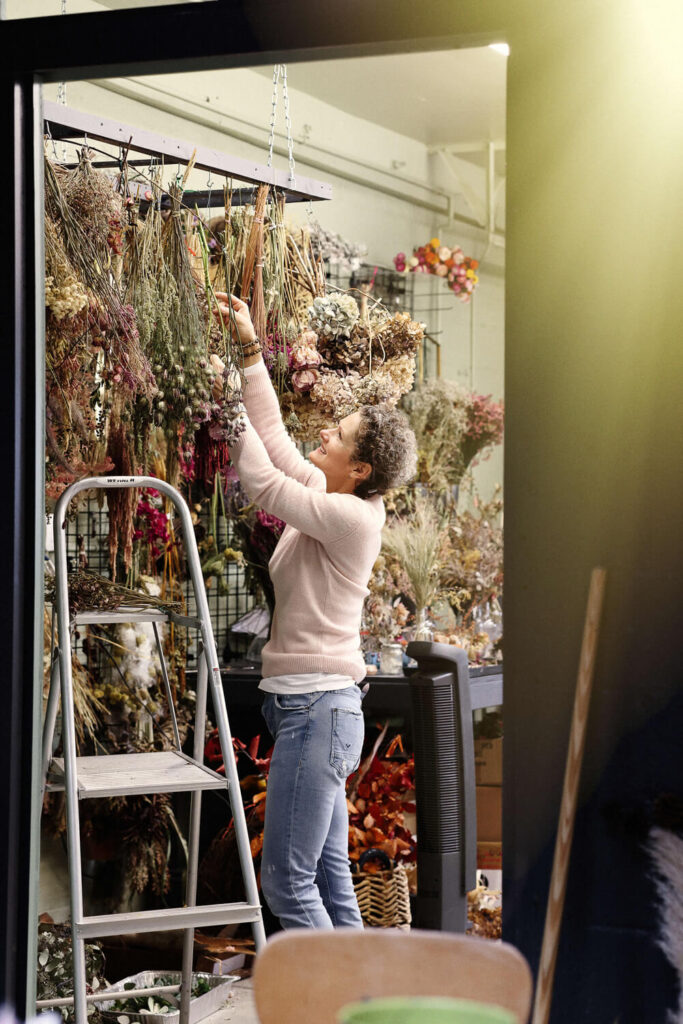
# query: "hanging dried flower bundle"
111,324
453,426
344,361
459,271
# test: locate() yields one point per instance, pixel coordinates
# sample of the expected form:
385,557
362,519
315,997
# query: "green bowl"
424,1010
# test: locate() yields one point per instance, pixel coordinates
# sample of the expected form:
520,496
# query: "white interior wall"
384,185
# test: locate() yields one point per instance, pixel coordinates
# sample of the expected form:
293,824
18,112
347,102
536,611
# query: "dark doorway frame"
183,38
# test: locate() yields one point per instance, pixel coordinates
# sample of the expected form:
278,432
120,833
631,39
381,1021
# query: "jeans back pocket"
348,730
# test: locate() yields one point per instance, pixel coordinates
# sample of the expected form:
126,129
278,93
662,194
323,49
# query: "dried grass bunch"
415,542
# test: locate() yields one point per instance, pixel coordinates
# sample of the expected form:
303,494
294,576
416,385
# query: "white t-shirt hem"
306,682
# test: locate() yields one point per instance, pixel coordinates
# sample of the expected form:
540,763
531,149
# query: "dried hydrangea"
333,393
398,335
304,354
344,351
332,315
401,372
372,390
302,418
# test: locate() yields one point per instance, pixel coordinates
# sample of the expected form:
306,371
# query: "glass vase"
423,627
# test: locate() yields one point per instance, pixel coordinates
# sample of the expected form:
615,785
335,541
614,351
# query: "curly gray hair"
386,441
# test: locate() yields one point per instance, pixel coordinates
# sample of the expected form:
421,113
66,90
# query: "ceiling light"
500,48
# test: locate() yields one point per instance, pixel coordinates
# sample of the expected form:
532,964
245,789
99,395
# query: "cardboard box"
488,762
490,856
489,814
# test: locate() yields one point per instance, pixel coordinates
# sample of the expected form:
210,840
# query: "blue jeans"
305,875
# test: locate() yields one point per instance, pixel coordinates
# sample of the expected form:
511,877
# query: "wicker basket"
383,897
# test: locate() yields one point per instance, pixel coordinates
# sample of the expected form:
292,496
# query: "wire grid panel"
87,542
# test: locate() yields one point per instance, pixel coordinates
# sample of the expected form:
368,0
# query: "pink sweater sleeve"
309,509
263,409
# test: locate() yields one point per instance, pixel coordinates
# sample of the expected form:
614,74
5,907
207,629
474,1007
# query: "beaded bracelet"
252,349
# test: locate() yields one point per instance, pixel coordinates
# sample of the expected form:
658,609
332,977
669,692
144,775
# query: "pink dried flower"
303,380
305,356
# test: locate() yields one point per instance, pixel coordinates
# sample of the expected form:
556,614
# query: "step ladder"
170,771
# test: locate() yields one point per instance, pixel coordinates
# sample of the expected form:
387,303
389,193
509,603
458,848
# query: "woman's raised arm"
259,395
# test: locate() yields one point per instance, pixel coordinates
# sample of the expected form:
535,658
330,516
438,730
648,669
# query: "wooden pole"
570,792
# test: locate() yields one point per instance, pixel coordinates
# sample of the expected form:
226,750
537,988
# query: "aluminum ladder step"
167,920
166,771
95,617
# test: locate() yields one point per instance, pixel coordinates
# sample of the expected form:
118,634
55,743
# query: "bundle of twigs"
303,268
122,501
88,590
88,709
252,272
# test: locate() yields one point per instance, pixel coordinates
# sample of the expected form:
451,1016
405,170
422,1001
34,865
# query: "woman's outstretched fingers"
222,313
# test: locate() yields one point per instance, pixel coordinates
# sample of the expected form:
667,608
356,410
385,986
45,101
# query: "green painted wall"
594,338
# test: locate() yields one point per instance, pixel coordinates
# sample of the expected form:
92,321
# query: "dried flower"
452,264
332,315
304,380
305,357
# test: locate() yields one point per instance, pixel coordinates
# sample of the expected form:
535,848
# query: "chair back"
305,975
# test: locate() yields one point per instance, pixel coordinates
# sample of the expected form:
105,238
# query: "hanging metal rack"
66,124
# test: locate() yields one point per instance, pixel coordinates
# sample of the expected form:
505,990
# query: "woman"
312,663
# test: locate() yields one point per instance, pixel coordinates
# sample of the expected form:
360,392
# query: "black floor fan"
445,786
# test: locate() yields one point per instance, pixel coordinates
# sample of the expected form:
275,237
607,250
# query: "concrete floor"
240,1008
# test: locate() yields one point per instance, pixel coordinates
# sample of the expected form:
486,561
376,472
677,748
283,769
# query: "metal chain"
278,71
273,110
61,87
288,123
48,137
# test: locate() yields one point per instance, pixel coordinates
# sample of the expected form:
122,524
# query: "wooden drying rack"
65,124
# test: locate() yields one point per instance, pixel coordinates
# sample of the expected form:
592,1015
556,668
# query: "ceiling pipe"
170,107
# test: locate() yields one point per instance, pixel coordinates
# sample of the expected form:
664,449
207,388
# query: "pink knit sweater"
322,563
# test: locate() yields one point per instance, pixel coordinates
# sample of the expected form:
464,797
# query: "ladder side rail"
50,718
234,791
70,753
167,685
221,713
193,836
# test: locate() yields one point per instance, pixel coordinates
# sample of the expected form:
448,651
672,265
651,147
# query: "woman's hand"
235,315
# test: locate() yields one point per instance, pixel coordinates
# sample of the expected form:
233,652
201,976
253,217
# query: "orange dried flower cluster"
381,804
